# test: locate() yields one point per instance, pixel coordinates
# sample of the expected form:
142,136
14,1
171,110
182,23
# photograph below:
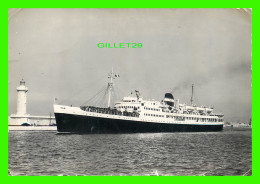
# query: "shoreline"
32,128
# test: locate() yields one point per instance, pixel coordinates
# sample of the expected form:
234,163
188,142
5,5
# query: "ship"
134,114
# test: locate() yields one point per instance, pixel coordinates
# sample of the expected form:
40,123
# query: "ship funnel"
169,99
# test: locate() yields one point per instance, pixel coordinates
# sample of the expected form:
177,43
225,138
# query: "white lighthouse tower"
22,118
21,98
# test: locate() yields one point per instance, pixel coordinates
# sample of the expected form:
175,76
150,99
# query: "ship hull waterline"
69,123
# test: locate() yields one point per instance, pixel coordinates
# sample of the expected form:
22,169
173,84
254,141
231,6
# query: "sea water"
228,152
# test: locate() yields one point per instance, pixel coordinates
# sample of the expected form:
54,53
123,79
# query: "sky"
55,51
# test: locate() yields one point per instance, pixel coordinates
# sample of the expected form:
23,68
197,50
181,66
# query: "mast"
109,87
191,99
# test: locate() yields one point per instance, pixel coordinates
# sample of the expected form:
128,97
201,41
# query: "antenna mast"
191,99
109,87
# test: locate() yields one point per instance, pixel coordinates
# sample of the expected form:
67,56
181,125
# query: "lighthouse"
21,98
22,118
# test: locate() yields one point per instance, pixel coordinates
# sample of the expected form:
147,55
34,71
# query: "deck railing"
103,110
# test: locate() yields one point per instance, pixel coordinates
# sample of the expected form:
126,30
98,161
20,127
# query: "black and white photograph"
130,92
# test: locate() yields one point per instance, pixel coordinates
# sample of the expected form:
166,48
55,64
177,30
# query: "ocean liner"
133,114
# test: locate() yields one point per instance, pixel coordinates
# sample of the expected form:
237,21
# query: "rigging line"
93,98
120,91
95,95
112,96
97,98
101,100
104,104
115,96
81,89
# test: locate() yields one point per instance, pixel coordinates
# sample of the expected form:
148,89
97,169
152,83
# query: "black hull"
84,124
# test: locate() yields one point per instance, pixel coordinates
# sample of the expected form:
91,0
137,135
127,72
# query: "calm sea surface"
211,153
